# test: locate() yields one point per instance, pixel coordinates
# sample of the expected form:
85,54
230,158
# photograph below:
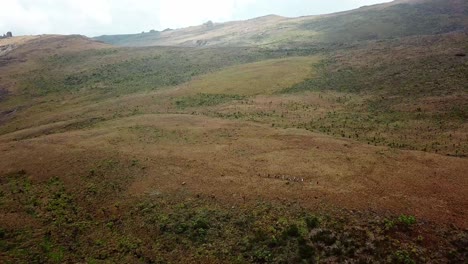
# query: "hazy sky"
98,17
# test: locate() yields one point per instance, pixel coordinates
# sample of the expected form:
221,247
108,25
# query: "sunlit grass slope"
265,77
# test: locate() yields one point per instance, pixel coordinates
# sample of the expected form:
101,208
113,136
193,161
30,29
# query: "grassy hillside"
385,21
314,153
120,71
402,18
128,39
265,77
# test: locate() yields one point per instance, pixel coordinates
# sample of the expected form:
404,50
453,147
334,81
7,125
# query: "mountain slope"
22,53
391,20
337,152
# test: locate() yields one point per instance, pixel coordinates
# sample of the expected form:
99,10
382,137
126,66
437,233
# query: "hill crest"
382,21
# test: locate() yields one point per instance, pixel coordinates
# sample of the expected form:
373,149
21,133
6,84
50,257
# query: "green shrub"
306,251
312,222
292,231
324,236
407,220
402,257
262,255
127,244
403,222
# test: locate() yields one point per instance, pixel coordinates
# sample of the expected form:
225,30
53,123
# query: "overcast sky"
99,17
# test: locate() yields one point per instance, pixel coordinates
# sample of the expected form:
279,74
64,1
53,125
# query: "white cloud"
20,18
179,13
182,13
98,11
96,17
53,16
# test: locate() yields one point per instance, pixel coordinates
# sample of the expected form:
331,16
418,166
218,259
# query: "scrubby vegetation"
398,20
200,100
378,100
350,147
113,71
168,228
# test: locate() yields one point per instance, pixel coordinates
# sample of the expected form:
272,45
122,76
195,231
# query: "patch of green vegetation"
312,221
152,134
403,222
387,85
447,75
374,123
184,229
460,112
201,99
407,220
128,245
54,253
60,216
402,257
129,39
346,80
126,70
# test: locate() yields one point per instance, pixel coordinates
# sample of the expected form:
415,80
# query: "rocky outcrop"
7,35
209,24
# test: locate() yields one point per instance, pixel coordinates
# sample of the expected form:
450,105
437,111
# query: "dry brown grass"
235,160
17,41
111,152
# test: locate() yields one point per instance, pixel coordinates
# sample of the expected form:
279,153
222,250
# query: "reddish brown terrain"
327,153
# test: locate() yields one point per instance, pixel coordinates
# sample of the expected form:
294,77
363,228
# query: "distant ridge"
383,21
